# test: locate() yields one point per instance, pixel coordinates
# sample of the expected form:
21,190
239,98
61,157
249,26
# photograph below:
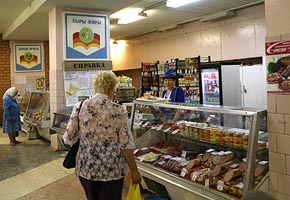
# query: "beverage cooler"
220,84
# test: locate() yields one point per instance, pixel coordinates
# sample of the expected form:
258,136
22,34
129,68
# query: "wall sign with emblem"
28,57
87,36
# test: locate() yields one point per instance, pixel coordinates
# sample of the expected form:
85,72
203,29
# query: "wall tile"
287,124
284,183
276,123
283,142
277,162
283,104
277,195
288,165
273,181
272,139
272,103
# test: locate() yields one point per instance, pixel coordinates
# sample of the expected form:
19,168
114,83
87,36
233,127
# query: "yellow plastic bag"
134,192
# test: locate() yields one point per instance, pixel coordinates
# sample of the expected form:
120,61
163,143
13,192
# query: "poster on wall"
87,36
28,57
278,66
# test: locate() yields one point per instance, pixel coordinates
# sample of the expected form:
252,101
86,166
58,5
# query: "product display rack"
157,130
187,73
149,78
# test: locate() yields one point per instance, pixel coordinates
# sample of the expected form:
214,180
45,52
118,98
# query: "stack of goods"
125,81
219,170
202,131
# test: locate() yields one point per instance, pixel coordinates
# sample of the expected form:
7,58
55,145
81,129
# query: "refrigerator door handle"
244,89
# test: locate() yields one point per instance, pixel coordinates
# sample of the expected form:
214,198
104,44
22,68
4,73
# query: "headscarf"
11,92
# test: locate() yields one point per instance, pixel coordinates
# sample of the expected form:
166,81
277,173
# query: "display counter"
36,120
209,152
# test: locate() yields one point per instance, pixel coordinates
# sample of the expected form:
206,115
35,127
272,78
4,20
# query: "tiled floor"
32,171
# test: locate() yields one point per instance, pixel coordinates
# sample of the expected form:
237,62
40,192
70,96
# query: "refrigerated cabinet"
166,150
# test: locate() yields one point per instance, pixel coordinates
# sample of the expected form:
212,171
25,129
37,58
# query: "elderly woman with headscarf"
11,115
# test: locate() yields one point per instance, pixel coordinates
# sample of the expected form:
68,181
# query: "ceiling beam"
28,11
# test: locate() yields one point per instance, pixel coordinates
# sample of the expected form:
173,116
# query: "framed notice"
87,36
278,66
28,57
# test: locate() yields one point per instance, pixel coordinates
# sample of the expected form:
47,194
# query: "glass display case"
37,116
200,152
60,120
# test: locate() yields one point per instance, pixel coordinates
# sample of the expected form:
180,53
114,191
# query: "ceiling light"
114,21
127,16
178,3
165,28
218,15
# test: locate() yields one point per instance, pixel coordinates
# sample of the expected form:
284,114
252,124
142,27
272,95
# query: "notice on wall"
78,79
278,66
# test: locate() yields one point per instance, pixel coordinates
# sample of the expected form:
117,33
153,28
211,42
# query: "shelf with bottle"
149,78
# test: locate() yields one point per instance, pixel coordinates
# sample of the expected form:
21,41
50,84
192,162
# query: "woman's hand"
136,177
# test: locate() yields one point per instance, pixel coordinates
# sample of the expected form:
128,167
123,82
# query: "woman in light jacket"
11,115
106,142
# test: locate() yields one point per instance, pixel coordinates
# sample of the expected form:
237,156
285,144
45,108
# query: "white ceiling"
28,19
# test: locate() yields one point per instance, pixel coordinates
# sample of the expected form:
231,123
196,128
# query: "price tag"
166,130
159,128
161,162
166,156
174,132
206,183
183,154
263,162
183,172
240,185
220,185
234,165
144,125
194,175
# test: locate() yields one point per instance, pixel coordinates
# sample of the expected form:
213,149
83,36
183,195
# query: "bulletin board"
78,79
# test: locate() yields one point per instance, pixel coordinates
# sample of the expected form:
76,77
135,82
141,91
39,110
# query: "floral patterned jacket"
104,131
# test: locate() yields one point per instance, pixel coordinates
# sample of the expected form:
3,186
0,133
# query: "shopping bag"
134,192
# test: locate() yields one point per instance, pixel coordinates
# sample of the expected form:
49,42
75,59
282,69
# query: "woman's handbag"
70,159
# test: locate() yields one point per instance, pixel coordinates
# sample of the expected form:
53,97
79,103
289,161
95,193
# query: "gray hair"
11,92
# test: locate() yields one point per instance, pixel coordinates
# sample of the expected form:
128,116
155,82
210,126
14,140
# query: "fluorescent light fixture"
165,28
218,15
127,16
178,3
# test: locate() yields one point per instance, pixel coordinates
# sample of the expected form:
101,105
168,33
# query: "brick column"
5,80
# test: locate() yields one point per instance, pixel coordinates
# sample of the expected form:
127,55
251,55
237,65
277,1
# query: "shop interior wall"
278,29
242,36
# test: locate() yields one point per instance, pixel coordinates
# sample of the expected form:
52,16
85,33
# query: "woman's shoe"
17,142
12,143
